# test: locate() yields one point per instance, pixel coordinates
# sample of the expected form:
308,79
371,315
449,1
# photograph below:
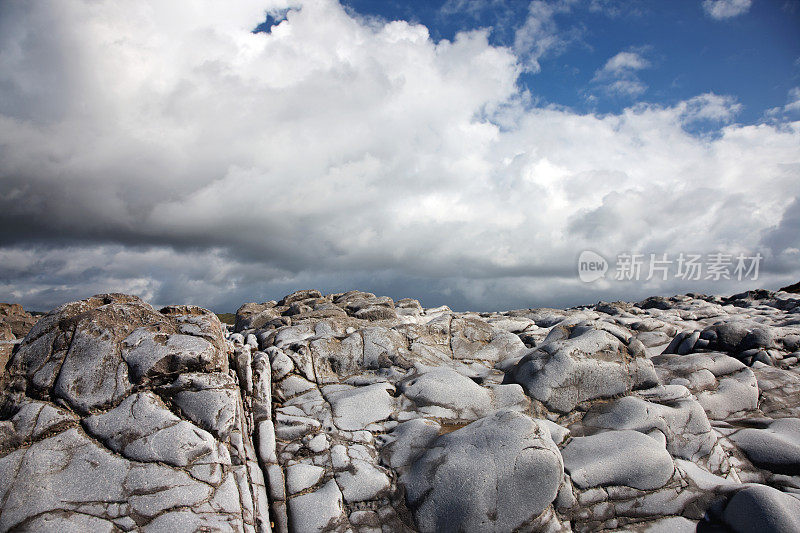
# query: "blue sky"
753,56
462,152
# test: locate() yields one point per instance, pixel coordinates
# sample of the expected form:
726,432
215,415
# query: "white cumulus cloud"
709,106
794,100
618,75
725,9
540,34
624,61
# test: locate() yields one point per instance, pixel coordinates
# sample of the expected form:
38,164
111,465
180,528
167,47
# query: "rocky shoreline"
353,412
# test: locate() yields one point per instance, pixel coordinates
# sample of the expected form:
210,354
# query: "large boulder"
670,413
105,413
761,508
472,338
253,315
92,353
723,385
736,336
775,446
498,473
583,362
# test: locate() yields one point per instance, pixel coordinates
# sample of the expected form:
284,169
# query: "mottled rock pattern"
498,473
98,436
14,318
583,361
15,323
355,412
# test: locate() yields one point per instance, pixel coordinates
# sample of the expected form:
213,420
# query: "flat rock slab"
355,408
317,511
89,476
447,389
150,352
362,481
300,477
209,400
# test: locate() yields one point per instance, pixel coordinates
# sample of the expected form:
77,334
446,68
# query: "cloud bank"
164,149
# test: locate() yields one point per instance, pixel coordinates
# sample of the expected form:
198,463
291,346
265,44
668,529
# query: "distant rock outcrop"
353,412
14,317
15,323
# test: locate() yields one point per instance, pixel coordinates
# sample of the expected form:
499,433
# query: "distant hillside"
227,318
793,288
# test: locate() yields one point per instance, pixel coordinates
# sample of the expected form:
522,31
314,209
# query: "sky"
460,152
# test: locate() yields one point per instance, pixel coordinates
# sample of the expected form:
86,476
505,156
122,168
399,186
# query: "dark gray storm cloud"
166,150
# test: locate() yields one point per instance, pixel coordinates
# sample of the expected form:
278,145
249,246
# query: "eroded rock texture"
352,412
15,323
120,417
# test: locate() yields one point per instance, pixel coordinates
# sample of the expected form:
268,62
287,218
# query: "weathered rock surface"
355,412
583,362
760,508
14,318
98,438
15,323
498,473
625,457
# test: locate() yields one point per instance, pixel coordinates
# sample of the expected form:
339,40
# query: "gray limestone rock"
670,412
362,481
208,400
356,407
472,338
150,353
775,446
723,385
448,390
408,441
36,419
622,457
761,508
253,315
352,412
315,511
300,476
143,429
495,474
589,363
